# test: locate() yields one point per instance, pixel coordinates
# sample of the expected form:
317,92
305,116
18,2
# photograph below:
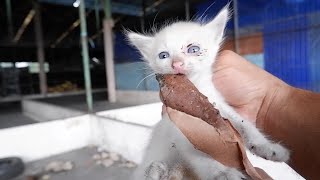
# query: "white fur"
174,39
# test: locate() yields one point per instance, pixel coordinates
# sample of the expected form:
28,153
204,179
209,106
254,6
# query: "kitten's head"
182,47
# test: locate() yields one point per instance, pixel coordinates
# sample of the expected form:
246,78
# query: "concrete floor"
85,167
78,102
11,115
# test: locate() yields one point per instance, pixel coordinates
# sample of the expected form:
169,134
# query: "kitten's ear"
141,42
218,24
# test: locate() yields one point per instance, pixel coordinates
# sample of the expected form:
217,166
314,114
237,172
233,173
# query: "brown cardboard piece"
221,140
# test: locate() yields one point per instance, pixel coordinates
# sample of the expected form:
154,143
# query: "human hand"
215,143
275,107
237,78
206,138
246,87
249,89
285,113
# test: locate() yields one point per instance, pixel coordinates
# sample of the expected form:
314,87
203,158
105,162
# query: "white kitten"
190,48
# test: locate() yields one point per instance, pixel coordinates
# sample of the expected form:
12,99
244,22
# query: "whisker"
145,72
150,75
144,68
144,65
200,18
147,69
154,20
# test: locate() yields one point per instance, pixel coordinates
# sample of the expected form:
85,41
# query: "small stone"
107,162
67,166
130,165
96,156
104,155
31,177
58,166
45,177
98,162
114,156
54,166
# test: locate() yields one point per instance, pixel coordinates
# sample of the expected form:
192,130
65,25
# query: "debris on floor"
128,164
107,159
45,177
81,164
58,166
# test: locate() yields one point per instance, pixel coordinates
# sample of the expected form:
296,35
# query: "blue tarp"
291,31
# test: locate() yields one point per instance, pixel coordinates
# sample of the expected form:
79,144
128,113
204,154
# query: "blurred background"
61,59
280,36
49,54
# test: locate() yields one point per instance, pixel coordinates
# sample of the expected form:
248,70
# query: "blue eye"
193,49
164,55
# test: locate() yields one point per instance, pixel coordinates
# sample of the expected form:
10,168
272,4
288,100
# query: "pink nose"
178,66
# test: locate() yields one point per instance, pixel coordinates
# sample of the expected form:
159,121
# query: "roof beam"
119,5
74,25
97,34
119,8
24,25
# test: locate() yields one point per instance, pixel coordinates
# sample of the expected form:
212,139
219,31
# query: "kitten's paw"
176,173
271,151
157,171
230,174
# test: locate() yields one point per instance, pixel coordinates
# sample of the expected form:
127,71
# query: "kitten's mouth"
179,71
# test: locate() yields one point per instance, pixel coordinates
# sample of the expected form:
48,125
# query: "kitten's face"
182,47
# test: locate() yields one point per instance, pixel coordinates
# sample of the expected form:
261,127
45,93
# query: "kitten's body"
168,52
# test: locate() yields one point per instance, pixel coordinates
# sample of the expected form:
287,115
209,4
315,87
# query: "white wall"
137,97
41,111
128,139
41,140
125,131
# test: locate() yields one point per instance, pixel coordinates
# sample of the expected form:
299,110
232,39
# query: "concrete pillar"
40,49
108,50
97,16
9,19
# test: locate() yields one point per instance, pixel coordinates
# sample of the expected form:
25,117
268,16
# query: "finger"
206,138
175,116
164,110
